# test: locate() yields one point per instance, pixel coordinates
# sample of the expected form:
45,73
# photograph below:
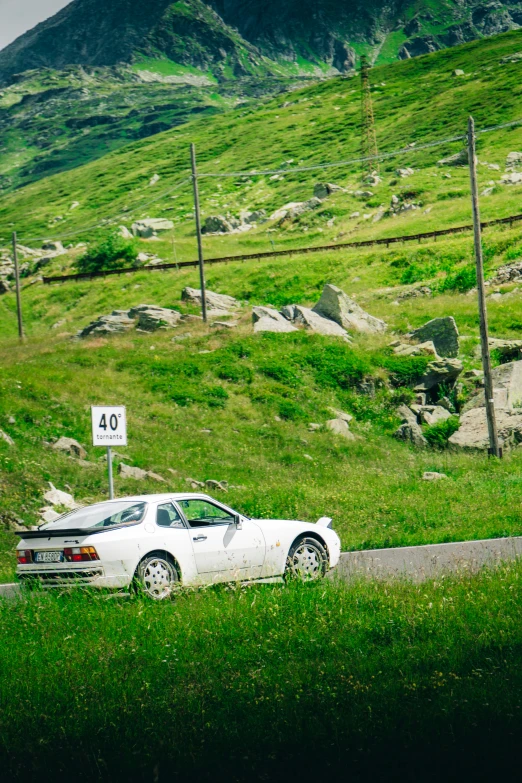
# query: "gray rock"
443,371
70,446
314,322
340,414
288,312
340,427
406,415
443,333
155,476
213,485
473,431
124,232
127,471
268,324
458,159
432,475
223,324
218,302
217,224
508,274
116,323
149,227
335,305
410,432
55,247
435,416
513,159
507,394
4,286
259,311
513,178
424,349
324,189
258,216
508,350
507,389
58,498
151,318
195,484
6,438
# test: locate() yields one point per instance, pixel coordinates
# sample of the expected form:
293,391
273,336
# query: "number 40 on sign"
109,426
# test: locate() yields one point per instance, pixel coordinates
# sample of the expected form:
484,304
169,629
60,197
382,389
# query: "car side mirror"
238,522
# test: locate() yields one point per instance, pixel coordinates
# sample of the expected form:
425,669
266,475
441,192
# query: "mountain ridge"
234,38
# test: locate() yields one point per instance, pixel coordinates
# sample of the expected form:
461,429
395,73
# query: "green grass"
355,675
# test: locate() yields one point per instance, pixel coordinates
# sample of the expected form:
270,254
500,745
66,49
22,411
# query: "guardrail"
387,241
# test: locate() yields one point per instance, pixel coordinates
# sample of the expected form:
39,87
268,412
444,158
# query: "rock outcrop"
218,303
150,227
118,322
443,333
507,394
444,371
335,305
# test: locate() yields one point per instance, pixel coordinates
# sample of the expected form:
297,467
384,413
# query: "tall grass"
266,683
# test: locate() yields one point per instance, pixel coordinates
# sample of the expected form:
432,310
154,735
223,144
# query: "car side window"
167,516
202,513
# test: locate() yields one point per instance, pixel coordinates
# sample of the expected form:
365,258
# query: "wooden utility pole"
368,137
198,231
494,448
17,283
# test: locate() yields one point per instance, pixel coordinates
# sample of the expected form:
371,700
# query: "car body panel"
256,549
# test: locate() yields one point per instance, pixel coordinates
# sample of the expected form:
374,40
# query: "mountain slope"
233,37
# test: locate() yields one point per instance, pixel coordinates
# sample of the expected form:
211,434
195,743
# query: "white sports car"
164,541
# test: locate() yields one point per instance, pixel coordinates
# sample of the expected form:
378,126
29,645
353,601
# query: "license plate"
48,557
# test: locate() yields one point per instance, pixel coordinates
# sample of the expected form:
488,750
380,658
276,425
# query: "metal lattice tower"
368,138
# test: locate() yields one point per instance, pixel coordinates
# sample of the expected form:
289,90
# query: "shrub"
337,366
279,372
438,434
112,252
463,280
291,410
236,373
404,370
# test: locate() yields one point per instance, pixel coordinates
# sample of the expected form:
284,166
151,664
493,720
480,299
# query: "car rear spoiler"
26,535
324,522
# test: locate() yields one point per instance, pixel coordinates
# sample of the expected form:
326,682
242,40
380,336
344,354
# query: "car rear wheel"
307,560
157,577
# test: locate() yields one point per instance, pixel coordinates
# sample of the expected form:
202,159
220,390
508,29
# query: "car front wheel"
307,560
157,577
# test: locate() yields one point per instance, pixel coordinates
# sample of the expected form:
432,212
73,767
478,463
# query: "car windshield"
119,512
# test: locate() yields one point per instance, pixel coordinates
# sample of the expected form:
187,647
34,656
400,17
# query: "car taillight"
80,554
25,556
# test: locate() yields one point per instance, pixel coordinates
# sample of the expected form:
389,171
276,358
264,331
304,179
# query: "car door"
171,533
221,547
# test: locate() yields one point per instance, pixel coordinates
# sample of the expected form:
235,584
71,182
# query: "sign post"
109,428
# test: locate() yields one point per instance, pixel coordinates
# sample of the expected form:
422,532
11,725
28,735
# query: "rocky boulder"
410,432
443,333
314,322
151,318
220,303
335,305
507,394
511,273
439,371
116,323
424,349
268,324
512,178
295,208
71,447
216,224
513,160
149,227
4,286
324,189
458,159
507,350
340,427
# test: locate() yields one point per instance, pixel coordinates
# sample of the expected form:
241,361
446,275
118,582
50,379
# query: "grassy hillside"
258,395
415,101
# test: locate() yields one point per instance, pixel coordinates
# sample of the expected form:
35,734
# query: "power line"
411,148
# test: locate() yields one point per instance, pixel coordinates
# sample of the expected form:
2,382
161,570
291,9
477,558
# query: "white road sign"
109,426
